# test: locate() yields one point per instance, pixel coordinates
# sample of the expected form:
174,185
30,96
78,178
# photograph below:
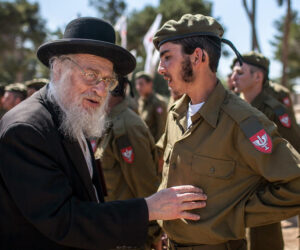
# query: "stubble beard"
187,73
75,119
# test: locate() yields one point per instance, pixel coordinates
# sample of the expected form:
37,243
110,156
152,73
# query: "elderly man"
216,141
51,194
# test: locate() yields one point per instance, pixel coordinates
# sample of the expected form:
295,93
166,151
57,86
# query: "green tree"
293,56
139,23
109,10
22,31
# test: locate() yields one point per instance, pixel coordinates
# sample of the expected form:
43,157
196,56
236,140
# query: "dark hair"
145,77
212,45
255,69
120,89
19,94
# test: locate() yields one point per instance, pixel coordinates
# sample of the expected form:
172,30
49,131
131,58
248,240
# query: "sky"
231,15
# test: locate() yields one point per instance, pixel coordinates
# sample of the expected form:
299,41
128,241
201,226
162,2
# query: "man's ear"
198,56
259,76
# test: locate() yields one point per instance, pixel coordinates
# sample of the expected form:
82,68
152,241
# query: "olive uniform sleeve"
286,122
140,173
277,195
160,115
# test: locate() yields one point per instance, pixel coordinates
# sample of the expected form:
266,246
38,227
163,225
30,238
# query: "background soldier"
216,141
13,95
249,80
128,156
35,85
152,107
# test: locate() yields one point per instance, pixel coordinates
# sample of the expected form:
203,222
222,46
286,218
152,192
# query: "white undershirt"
193,109
88,159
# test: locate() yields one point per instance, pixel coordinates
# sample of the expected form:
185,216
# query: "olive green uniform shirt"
235,154
278,113
153,110
282,94
129,161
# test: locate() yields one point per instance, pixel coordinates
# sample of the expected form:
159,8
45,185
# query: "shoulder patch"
159,110
257,135
126,149
286,101
283,116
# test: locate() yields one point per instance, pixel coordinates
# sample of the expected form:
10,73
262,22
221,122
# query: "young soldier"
216,141
249,80
127,155
35,84
152,108
13,95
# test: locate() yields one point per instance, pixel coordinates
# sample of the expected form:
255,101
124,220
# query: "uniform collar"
259,99
148,98
119,108
209,111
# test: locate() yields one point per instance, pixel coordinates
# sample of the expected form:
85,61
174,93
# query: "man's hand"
172,203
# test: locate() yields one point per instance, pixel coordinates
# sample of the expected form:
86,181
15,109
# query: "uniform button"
173,165
212,170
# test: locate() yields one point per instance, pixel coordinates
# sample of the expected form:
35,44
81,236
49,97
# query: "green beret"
37,83
188,26
143,74
17,87
255,59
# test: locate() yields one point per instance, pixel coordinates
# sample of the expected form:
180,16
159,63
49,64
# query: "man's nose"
101,89
161,69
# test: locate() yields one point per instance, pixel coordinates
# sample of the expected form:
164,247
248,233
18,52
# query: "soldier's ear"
198,56
259,76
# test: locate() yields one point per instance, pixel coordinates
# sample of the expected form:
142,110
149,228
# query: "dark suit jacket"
47,199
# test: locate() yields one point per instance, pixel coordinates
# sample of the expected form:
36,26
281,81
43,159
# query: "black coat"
47,199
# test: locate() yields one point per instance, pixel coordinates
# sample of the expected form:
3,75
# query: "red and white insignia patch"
94,145
262,141
285,120
127,154
159,110
286,101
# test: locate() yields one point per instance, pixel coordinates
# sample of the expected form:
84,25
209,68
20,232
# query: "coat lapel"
77,158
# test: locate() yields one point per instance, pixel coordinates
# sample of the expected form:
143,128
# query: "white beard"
75,119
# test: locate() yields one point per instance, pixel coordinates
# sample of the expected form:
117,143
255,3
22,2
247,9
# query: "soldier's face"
143,87
242,78
175,67
9,100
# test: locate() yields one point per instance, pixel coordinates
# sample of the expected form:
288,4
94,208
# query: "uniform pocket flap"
212,167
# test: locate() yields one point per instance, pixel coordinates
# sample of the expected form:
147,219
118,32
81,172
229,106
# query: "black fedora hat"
89,35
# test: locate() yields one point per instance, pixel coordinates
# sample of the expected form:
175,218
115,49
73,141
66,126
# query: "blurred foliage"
109,10
293,65
22,31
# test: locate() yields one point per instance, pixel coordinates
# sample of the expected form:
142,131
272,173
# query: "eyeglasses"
92,78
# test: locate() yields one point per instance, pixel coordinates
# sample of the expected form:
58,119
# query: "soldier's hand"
173,203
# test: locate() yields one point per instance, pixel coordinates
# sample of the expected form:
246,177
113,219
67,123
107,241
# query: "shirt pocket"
217,168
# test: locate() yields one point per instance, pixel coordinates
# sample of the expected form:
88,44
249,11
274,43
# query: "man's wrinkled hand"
174,203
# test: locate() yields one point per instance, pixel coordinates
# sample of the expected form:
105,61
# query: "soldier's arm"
160,114
277,195
140,170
